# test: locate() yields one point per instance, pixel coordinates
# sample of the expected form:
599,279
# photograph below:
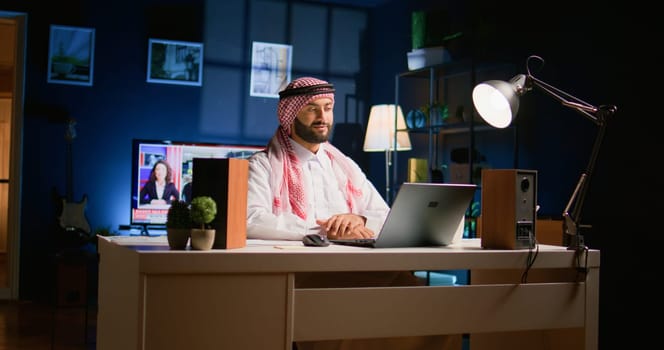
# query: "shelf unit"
462,131
449,84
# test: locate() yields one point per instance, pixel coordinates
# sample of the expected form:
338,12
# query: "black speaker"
509,208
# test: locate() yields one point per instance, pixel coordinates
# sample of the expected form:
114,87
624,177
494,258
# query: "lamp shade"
497,101
380,130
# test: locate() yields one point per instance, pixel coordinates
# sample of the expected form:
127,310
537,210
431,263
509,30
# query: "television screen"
162,171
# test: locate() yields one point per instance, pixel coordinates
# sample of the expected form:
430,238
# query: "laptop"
423,214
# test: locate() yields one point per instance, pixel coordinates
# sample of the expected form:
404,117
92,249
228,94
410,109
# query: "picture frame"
270,68
71,55
175,62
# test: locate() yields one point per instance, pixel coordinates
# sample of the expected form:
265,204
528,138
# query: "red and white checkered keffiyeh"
286,175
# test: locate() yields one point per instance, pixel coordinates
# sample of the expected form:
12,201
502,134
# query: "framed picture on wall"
71,55
270,68
175,62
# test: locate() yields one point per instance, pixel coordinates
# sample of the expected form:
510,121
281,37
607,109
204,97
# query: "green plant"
203,210
474,210
470,226
436,113
179,215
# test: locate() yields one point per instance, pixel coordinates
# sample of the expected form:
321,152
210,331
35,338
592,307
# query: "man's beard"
307,133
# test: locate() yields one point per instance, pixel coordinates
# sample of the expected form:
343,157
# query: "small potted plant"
203,211
178,225
436,113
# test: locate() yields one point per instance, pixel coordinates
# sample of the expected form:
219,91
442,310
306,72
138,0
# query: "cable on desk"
532,255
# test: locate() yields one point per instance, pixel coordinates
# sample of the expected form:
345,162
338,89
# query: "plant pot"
178,237
202,239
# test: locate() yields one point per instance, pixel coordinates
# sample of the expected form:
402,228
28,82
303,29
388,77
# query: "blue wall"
328,42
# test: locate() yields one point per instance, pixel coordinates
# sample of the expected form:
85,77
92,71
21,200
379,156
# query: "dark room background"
591,51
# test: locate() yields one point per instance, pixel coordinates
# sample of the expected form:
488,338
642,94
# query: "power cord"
532,256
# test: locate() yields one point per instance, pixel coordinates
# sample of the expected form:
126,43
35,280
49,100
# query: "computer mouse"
315,240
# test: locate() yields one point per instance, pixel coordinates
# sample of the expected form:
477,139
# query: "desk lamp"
497,102
384,120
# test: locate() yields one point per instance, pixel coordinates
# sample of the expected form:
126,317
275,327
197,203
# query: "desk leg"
290,307
592,309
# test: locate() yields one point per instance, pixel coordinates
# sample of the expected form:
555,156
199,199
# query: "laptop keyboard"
358,242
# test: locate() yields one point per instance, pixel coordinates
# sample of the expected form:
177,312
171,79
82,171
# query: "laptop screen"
425,214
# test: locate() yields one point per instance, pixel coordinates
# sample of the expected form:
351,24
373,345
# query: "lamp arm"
567,100
598,115
572,212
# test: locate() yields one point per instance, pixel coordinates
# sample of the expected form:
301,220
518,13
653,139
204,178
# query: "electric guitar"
72,217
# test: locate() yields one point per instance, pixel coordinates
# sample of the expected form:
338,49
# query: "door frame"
16,159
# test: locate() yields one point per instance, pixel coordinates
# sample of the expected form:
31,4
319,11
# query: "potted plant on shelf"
178,225
203,211
436,113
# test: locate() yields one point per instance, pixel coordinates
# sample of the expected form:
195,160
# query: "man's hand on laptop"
345,226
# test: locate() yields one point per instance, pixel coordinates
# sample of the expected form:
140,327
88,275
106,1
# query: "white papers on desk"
265,242
157,240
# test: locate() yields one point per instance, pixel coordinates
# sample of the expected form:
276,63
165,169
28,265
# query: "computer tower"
509,208
226,181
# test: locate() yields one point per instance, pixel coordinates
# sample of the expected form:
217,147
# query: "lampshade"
380,130
497,101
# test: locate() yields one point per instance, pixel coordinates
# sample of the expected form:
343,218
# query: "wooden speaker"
226,181
509,200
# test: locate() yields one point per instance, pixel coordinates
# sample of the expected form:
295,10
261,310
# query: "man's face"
313,123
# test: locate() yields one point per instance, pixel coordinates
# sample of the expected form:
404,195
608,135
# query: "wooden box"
226,181
509,200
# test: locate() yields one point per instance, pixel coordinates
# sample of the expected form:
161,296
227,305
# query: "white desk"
153,298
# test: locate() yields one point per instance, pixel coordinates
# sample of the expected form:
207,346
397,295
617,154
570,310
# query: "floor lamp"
384,120
497,102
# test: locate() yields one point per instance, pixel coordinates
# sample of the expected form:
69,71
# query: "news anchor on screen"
159,189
